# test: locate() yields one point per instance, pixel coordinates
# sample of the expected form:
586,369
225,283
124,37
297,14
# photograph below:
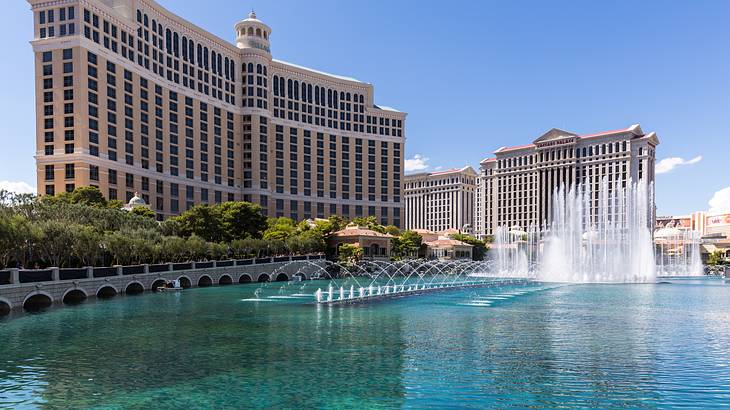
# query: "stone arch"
245,278
134,288
204,281
301,275
106,292
263,277
5,307
225,280
74,296
37,301
185,282
282,277
157,283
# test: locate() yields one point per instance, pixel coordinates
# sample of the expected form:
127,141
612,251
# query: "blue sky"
478,75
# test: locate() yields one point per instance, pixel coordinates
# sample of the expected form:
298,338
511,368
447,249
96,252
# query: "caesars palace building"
516,186
132,98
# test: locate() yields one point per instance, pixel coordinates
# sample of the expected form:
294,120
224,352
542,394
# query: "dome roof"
136,201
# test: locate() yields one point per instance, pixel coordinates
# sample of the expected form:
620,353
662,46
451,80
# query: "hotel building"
438,201
131,97
516,186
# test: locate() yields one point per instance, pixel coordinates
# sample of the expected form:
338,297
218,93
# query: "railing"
70,274
4,277
17,276
30,276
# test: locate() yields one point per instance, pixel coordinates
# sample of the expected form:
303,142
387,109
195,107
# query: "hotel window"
50,173
70,172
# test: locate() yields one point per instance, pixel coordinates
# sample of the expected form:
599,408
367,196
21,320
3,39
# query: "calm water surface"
539,345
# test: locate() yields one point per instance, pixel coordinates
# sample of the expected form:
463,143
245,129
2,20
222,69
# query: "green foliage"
716,258
406,245
86,195
349,253
223,222
83,229
369,222
240,220
144,212
280,229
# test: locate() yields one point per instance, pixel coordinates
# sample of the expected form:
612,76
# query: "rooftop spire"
252,14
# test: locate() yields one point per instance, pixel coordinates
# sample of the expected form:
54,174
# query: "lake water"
540,345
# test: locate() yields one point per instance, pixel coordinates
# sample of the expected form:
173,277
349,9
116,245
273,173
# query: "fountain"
602,236
596,236
678,252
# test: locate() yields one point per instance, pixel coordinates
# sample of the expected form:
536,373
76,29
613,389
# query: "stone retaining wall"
13,296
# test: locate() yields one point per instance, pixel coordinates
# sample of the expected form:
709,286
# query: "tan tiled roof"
446,242
360,231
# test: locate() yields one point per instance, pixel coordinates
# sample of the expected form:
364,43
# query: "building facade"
516,186
131,97
438,201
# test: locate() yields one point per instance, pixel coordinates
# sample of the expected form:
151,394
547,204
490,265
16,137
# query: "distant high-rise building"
439,201
516,187
131,97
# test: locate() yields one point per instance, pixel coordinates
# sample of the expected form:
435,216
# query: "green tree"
144,212
716,258
55,237
86,244
348,253
12,236
240,220
280,229
87,195
201,220
406,245
369,222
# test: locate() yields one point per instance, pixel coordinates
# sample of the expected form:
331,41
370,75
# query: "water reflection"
535,345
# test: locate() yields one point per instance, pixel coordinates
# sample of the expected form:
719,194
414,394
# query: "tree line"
82,228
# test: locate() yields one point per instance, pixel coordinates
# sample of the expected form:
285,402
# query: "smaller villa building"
439,245
375,245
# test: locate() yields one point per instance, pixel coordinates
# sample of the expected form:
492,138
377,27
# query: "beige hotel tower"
132,98
516,186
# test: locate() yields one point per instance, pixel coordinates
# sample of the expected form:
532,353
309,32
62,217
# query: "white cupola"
253,33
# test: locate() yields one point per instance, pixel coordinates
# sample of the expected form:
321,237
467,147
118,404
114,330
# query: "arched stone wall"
185,282
37,300
157,283
106,291
5,307
134,288
74,296
205,281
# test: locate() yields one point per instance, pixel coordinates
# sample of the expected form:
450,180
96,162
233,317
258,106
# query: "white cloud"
438,168
668,164
417,163
18,187
720,202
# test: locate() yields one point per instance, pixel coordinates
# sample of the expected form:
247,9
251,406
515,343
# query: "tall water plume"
601,236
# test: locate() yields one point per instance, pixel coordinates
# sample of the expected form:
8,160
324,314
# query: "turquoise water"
539,345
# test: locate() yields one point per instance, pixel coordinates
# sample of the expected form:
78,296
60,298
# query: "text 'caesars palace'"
132,98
